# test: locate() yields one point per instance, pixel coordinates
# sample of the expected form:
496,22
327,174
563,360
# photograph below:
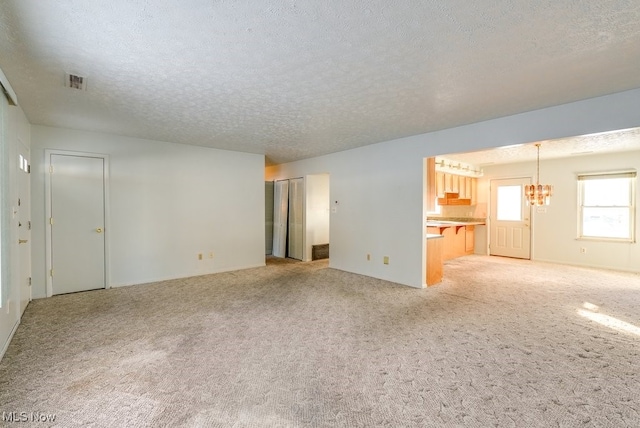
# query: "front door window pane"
509,203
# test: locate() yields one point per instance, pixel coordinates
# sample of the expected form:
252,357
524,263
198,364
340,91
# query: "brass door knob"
99,230
22,241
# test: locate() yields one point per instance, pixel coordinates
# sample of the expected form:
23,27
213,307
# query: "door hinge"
28,169
51,169
29,281
51,220
51,272
29,225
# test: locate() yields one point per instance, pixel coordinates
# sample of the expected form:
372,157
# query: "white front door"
510,231
77,223
24,227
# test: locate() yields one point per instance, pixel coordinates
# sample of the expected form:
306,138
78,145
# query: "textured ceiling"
300,78
607,142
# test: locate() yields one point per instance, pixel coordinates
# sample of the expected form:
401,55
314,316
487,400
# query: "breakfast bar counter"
434,258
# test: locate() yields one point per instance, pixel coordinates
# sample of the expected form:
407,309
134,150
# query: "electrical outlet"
583,250
385,260
199,256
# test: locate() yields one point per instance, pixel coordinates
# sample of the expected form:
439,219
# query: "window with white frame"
607,206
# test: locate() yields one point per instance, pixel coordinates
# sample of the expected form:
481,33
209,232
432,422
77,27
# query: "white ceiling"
300,78
607,142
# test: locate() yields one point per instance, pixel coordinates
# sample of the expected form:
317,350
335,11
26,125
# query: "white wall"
379,188
316,211
554,231
168,202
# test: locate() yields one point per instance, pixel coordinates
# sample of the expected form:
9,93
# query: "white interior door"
296,214
77,223
280,216
24,226
510,231
9,305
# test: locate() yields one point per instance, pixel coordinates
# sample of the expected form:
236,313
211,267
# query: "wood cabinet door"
440,184
431,185
459,242
455,183
462,187
473,191
469,239
449,243
434,261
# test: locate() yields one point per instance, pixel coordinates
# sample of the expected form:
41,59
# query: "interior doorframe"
48,229
491,214
22,147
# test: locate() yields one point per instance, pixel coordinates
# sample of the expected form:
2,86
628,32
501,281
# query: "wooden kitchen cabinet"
458,240
440,185
452,183
467,188
454,241
462,187
446,183
448,245
473,190
434,260
431,193
469,239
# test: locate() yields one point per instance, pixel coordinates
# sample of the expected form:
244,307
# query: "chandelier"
538,194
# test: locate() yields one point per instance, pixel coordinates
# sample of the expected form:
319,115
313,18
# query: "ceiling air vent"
74,81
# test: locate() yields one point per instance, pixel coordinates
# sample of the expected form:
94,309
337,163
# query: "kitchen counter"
449,223
434,236
459,235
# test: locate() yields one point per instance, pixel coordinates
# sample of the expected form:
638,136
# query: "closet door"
280,214
296,207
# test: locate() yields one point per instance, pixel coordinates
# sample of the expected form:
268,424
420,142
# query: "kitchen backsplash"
478,211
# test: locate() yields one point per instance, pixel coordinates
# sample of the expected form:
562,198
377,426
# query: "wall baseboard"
585,265
6,344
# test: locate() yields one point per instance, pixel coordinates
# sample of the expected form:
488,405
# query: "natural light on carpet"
590,313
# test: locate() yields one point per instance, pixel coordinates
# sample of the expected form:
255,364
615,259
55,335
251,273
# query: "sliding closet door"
280,214
296,207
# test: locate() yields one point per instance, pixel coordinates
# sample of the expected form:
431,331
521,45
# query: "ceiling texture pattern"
301,78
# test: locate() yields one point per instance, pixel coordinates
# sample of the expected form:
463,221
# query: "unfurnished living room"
310,214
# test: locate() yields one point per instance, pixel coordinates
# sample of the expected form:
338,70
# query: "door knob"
22,241
99,230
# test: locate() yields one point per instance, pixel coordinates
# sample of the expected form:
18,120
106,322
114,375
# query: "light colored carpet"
499,343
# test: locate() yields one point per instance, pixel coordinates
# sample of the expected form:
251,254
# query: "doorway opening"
24,225
297,217
77,226
510,227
